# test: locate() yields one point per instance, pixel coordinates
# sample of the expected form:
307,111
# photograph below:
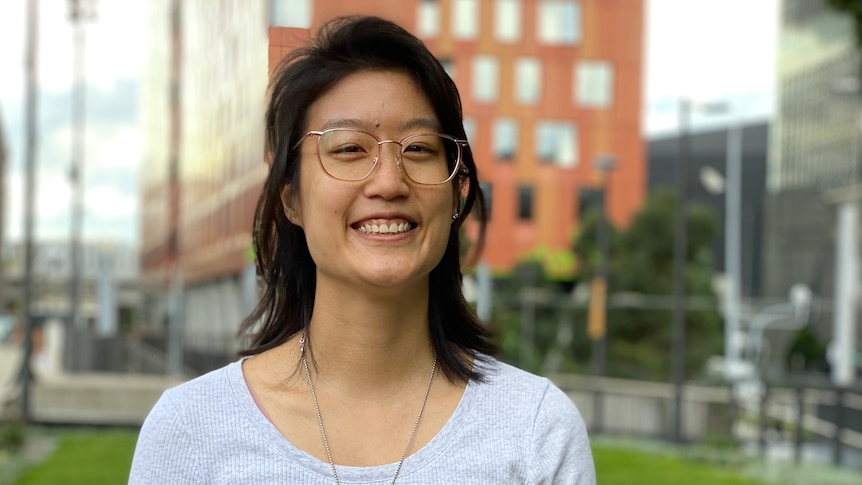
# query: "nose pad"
398,159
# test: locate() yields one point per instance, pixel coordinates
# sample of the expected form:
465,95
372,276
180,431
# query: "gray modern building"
707,162
814,173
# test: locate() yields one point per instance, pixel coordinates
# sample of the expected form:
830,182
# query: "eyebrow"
413,123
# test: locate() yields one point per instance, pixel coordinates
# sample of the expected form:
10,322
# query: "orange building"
547,87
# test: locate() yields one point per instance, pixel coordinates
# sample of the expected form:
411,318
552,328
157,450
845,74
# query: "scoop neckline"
346,473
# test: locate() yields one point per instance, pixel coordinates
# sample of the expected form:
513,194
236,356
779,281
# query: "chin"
395,280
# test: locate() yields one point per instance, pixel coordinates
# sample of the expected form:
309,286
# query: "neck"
370,341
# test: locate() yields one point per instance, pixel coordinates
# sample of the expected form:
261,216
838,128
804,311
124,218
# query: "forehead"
374,100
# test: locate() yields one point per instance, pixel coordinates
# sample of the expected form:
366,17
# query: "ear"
290,205
458,195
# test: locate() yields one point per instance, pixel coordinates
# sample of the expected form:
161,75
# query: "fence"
790,416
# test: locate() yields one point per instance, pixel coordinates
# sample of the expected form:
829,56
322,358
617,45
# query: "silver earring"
455,216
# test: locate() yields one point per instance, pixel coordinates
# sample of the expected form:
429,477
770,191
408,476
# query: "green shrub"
12,435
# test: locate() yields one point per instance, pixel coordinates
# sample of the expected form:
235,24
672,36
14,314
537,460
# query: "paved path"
97,398
83,398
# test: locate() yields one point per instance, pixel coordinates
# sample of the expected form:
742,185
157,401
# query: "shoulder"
552,432
182,422
522,386
522,396
212,381
187,401
210,397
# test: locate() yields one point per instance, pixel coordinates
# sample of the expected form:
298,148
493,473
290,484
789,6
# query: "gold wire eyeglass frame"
455,169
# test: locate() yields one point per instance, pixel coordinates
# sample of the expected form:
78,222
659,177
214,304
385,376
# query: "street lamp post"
680,243
79,12
680,255
31,112
597,319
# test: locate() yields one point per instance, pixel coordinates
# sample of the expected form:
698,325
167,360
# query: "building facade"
203,104
547,87
814,176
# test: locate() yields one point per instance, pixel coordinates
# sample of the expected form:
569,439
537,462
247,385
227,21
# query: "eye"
418,148
423,147
347,148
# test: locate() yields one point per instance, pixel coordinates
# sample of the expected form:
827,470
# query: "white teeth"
392,228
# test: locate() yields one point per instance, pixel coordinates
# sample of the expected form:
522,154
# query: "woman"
366,364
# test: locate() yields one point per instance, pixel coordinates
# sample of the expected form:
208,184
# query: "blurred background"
673,188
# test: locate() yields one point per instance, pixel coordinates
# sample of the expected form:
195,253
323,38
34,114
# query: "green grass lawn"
621,466
93,457
104,456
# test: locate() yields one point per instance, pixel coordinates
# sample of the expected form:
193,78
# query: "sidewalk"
57,397
97,398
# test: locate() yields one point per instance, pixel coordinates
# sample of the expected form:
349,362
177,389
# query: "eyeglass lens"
350,155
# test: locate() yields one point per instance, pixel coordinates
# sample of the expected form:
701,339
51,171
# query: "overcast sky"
692,48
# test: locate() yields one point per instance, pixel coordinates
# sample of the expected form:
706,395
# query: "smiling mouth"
385,228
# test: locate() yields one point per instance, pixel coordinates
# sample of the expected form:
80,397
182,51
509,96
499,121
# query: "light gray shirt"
513,428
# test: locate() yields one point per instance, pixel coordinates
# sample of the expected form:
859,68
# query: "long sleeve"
165,452
560,448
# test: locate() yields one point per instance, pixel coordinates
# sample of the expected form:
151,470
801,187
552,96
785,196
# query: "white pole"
106,325
846,272
732,249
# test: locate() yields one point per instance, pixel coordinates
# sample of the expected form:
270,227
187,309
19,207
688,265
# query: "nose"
389,180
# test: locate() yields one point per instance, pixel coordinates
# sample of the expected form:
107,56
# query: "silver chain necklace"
320,419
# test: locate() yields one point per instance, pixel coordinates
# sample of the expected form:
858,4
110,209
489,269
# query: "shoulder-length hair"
342,47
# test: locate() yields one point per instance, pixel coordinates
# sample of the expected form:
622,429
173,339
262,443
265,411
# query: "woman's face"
342,219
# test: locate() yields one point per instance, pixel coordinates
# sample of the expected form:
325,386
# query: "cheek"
323,204
443,211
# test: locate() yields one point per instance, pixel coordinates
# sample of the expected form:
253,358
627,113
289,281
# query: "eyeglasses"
351,155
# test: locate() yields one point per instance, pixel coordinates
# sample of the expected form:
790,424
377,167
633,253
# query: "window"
525,202
465,19
291,13
485,78
557,143
428,18
449,65
594,84
528,80
559,22
505,138
507,20
470,129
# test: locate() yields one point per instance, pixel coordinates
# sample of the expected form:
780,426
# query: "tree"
854,9
639,339
806,352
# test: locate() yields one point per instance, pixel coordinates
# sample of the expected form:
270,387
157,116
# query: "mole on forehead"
408,124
